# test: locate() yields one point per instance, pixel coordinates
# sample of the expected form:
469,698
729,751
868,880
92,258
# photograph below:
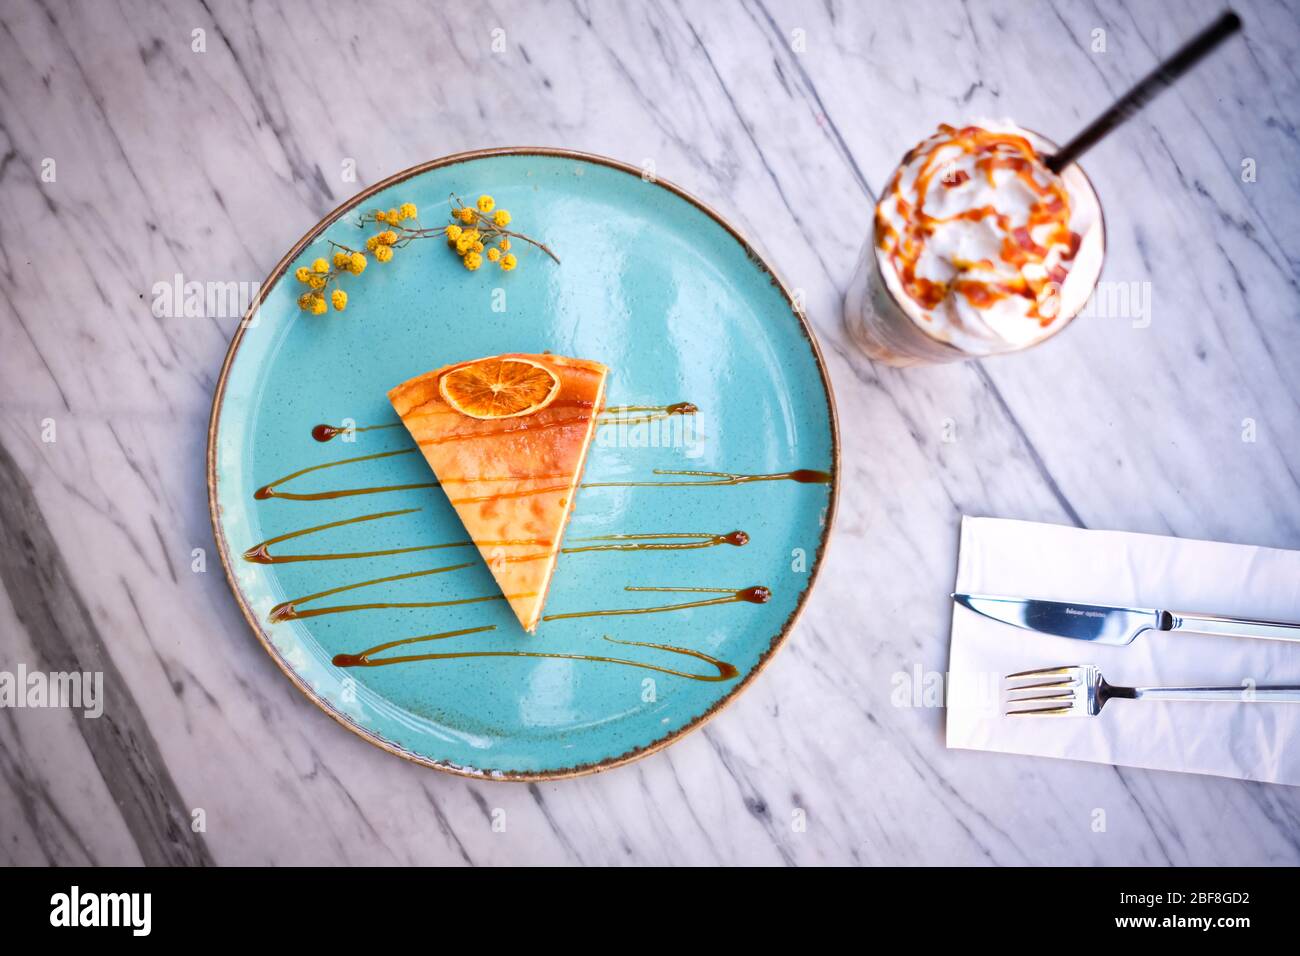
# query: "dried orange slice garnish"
499,388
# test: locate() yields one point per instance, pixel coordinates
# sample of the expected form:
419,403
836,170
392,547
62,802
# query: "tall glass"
893,328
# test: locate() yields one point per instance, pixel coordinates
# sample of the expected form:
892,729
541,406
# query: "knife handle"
1235,627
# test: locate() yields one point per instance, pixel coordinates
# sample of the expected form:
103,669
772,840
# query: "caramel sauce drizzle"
805,476
669,541
292,609
272,491
288,610
754,595
704,478
261,553
324,432
652,542
363,659
618,414
725,671
329,432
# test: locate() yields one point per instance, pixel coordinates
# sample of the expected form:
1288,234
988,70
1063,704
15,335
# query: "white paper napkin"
1254,741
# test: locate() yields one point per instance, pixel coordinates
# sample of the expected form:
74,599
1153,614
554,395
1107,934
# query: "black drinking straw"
1148,89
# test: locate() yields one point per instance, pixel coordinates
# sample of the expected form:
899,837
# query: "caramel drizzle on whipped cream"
992,151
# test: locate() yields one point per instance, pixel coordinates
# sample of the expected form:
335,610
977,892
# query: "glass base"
881,328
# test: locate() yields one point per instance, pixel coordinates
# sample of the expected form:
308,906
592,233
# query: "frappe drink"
977,248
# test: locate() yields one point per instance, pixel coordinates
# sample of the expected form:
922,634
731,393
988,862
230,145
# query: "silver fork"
1079,690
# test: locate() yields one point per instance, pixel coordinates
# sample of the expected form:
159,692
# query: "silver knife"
1115,625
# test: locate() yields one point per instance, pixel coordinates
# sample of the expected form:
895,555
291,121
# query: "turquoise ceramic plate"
681,309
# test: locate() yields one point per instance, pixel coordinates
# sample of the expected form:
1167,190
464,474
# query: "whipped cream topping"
981,244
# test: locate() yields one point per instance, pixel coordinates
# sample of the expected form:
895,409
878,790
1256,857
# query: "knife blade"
1115,626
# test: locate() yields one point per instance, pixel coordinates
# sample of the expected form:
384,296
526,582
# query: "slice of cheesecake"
507,437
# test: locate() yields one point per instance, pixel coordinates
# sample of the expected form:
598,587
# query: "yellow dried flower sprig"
473,232
476,233
321,274
480,231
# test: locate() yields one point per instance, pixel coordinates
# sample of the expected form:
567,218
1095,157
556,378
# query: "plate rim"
214,422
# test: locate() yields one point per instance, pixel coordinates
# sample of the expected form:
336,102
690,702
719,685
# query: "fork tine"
1068,695
1041,672
1040,712
1050,683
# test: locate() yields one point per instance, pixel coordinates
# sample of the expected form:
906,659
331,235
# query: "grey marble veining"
784,116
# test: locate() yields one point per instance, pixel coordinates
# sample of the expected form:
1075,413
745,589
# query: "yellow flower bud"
318,305
473,261
317,282
339,299
505,244
485,203
304,301
357,264
371,243
302,274
321,266
508,262
494,254
381,216
501,217
453,232
408,210
383,253
465,214
340,260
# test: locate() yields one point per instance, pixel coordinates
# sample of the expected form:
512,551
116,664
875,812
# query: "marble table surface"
208,154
